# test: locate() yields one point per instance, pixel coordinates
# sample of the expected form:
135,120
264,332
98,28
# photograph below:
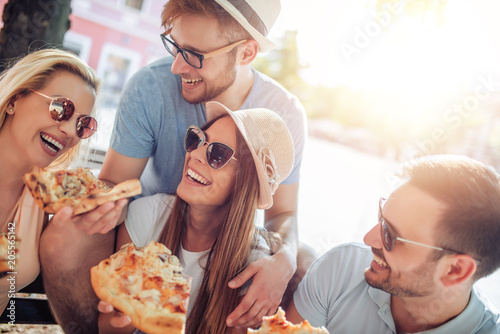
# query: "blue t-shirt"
152,119
334,294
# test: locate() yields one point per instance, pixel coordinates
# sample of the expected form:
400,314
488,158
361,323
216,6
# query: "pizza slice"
77,188
147,285
277,323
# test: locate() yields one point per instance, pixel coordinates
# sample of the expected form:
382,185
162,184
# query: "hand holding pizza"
116,318
270,277
102,219
95,206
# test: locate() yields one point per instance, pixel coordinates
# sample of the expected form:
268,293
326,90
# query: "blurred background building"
380,84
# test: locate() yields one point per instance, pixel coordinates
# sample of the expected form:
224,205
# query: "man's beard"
228,78
419,282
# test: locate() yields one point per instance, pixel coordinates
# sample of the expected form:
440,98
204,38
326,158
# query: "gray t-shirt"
152,119
334,294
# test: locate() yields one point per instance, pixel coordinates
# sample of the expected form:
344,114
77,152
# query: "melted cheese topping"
152,275
278,324
70,183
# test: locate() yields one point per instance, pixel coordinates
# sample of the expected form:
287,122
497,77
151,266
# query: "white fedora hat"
256,16
270,144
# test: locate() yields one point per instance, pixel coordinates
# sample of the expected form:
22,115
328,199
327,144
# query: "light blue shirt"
334,294
152,119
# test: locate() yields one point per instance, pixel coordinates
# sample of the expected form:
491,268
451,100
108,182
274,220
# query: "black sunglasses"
218,154
62,109
389,237
195,59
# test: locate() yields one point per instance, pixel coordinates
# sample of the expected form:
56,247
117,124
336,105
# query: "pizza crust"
124,189
277,324
83,192
121,282
144,318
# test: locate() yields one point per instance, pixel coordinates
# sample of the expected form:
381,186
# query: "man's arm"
282,218
292,314
270,275
118,167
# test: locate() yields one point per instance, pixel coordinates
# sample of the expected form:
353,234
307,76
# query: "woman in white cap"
232,167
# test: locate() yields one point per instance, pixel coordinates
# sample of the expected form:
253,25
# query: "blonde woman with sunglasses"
233,166
46,103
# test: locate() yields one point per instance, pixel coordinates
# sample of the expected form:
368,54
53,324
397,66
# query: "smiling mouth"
51,143
192,175
380,262
191,82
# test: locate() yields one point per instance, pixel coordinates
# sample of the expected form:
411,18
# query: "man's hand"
117,319
270,277
113,321
101,220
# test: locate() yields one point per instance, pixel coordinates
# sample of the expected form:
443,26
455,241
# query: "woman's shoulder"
147,210
146,217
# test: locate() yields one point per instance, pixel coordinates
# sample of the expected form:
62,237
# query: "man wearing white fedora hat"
212,44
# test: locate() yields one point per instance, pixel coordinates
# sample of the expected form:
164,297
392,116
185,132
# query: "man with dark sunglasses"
210,46
437,234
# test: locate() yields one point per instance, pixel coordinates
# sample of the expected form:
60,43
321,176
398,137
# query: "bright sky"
342,43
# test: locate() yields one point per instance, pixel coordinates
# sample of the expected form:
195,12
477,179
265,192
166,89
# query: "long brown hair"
230,251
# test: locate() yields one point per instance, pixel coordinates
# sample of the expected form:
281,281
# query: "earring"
11,109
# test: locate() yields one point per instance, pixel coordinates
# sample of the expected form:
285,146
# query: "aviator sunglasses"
218,154
389,236
62,109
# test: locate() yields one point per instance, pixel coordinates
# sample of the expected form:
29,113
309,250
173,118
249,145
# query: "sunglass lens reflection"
192,141
86,127
218,155
386,237
61,109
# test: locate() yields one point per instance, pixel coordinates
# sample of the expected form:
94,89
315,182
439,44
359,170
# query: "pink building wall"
113,23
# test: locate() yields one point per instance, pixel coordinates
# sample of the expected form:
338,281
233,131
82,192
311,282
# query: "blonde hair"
32,72
230,252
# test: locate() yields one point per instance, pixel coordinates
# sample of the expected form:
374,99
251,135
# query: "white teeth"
192,174
50,148
380,262
191,81
53,142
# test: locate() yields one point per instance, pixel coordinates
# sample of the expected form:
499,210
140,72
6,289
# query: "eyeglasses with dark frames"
62,109
389,237
195,59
